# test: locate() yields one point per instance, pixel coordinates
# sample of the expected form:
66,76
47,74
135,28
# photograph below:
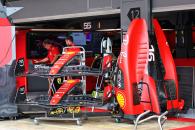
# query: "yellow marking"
59,80
70,81
73,109
57,111
121,100
70,52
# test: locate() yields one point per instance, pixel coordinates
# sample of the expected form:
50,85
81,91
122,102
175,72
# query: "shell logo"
121,99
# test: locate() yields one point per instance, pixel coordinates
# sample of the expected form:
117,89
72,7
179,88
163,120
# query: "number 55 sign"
87,26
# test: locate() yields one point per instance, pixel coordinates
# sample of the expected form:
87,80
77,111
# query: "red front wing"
64,89
64,59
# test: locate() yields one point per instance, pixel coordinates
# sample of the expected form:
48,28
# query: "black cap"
47,41
69,38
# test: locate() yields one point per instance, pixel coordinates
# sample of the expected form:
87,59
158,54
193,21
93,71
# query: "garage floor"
93,123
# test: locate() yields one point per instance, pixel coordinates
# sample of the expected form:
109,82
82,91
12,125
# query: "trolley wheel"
85,117
117,120
177,115
13,118
132,122
36,122
79,122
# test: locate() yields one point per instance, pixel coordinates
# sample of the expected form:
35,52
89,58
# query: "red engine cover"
149,97
132,63
168,63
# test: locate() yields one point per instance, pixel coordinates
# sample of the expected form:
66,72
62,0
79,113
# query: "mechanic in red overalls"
52,55
70,43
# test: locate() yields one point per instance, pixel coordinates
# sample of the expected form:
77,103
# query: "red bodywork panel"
6,41
4,22
168,62
21,53
62,61
107,93
107,61
146,102
66,87
132,62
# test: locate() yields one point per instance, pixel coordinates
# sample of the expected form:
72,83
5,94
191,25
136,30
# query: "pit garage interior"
95,19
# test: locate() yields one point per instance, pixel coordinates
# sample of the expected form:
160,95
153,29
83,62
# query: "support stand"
81,58
161,119
46,118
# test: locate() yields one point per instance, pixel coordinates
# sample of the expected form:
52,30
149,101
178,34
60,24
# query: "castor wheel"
13,118
85,117
177,115
132,122
36,122
79,122
117,120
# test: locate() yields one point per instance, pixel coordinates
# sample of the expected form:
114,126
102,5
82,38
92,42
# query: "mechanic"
52,55
70,43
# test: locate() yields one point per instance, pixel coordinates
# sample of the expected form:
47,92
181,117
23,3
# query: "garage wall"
99,4
166,3
170,5
186,85
134,8
39,8
42,8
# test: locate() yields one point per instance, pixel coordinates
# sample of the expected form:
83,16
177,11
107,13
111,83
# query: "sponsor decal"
74,109
41,67
70,81
123,53
151,53
21,90
121,99
59,80
57,111
70,52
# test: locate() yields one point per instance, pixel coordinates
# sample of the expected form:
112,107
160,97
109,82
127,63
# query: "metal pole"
193,89
150,16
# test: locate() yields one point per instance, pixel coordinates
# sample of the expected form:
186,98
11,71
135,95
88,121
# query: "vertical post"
193,90
2,2
131,9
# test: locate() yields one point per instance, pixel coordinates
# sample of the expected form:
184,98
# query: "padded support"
160,118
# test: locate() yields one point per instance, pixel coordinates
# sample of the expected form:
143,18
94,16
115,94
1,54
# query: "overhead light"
57,30
116,29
